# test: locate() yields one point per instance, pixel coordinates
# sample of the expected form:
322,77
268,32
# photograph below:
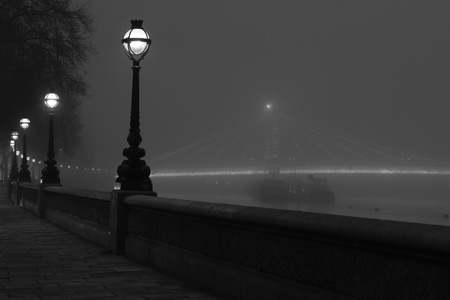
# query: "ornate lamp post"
50,174
133,173
24,174
14,172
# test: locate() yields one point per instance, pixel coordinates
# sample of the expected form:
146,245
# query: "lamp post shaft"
24,174
134,137
51,150
50,174
133,173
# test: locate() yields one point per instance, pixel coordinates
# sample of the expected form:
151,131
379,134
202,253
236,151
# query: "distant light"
25,123
51,100
268,106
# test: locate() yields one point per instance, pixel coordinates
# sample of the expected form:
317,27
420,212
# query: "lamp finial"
136,23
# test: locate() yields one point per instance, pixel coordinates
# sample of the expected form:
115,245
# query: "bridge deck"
42,261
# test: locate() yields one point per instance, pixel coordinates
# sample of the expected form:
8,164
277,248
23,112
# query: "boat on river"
313,189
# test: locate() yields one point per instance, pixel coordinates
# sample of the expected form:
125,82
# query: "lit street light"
24,174
133,173
14,172
50,174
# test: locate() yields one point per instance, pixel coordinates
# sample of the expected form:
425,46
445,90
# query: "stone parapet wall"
82,212
257,253
29,196
330,256
87,205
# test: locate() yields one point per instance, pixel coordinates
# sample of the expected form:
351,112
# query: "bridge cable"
315,130
320,146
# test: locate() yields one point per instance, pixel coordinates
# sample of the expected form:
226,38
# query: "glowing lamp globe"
25,123
51,100
136,41
15,135
11,143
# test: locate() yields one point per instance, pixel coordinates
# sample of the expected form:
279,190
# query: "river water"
408,198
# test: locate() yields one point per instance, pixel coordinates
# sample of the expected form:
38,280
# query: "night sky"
378,70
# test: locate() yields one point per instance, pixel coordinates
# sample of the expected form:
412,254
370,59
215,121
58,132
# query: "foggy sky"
378,70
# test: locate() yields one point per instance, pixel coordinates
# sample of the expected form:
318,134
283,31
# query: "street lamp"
50,174
133,173
24,174
14,171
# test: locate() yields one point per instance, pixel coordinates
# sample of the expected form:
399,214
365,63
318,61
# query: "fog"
375,73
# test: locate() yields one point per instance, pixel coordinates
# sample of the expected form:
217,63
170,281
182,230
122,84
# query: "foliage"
44,46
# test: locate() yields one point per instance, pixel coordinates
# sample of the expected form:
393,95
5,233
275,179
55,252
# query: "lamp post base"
24,174
50,174
134,176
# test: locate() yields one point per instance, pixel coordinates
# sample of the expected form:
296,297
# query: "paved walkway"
41,261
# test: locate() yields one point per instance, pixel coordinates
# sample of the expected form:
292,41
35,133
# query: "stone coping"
29,185
81,193
341,229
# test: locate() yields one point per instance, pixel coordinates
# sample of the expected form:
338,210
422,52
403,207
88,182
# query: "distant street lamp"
133,173
50,174
14,172
24,174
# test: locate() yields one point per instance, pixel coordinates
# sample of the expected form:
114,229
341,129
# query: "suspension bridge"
275,141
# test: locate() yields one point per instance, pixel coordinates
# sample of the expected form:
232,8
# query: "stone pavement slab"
39,261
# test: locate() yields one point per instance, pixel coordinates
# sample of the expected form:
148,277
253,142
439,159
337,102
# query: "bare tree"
44,45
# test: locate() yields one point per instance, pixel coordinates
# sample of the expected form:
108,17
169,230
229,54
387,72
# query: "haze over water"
408,198
375,70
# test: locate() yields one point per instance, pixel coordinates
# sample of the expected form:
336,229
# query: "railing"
257,253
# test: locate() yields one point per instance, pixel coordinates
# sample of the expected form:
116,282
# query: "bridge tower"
271,143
